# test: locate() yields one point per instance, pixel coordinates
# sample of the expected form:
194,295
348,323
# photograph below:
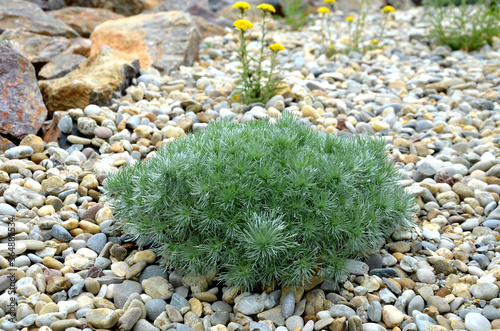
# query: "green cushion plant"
263,203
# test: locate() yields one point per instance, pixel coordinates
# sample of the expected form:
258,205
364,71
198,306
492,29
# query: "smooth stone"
122,291
477,322
154,308
250,305
423,321
59,232
97,242
288,305
484,291
342,311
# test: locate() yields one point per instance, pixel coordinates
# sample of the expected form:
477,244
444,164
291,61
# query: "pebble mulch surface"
438,111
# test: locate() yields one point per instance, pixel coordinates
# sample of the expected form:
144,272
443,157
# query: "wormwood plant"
262,203
464,26
253,75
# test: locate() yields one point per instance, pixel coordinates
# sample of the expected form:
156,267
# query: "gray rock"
143,325
288,305
102,262
220,317
97,242
250,305
154,308
491,312
19,152
342,310
75,290
129,318
423,321
375,311
179,302
417,304
61,233
65,124
484,291
258,326
122,291
491,223
7,210
477,322
183,327
356,267
153,271
294,322
426,276
16,194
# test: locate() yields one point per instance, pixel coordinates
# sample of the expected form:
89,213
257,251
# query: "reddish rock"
27,16
163,40
94,272
92,211
94,81
49,273
5,144
50,130
445,177
124,7
84,20
22,110
60,65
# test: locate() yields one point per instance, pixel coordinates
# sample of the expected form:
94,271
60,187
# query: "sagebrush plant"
253,75
463,26
263,203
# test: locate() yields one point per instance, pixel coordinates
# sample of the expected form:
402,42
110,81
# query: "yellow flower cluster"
242,5
349,19
388,9
329,1
243,24
374,41
323,10
266,7
276,47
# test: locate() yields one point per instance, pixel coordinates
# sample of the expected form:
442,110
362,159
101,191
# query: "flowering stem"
271,84
259,66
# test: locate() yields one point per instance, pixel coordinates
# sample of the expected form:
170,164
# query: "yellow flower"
330,47
276,47
329,1
349,19
242,5
266,7
323,10
388,9
374,41
243,24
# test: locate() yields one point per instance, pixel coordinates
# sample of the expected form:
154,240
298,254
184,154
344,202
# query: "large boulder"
205,19
22,110
84,20
27,16
60,65
94,81
124,7
39,49
169,5
163,40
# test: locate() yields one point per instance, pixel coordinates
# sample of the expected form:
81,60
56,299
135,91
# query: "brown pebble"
308,318
103,132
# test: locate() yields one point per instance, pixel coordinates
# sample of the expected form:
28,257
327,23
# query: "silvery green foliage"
262,203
